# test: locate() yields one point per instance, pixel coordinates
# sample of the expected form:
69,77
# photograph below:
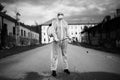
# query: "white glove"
56,39
69,39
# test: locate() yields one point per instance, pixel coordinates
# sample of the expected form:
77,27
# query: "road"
38,60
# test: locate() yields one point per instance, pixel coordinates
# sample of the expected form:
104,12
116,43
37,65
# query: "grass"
110,50
15,50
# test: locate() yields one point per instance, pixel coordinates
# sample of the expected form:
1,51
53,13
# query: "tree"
1,7
85,28
107,18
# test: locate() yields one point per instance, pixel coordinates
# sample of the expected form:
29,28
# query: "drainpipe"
1,30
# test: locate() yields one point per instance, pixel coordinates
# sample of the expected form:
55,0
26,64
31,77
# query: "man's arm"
54,31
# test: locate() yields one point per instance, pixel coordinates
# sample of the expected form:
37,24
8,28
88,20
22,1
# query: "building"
8,23
105,34
29,35
44,37
74,30
16,32
118,12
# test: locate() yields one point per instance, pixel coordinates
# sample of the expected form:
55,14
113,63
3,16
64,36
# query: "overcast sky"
42,10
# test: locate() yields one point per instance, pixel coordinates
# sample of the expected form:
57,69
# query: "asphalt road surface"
38,60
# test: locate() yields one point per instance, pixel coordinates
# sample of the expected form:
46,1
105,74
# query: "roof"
111,25
70,22
29,27
48,22
14,20
7,17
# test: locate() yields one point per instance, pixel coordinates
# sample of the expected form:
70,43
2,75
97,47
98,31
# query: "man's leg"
64,56
54,57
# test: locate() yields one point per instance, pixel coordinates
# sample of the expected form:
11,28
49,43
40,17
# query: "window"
29,34
44,33
21,32
72,33
76,33
44,39
25,33
14,32
4,29
49,39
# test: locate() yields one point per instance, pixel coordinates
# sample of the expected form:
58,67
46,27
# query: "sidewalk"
15,50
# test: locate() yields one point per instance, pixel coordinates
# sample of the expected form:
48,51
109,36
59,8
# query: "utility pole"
17,28
30,36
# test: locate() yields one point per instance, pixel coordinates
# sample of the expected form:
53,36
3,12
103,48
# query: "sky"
40,11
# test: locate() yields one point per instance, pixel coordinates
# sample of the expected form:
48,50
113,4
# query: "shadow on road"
72,76
33,76
90,76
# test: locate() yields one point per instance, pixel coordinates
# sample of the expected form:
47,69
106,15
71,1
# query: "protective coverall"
60,31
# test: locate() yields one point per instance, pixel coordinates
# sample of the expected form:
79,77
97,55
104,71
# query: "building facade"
16,32
28,35
0,27
105,34
74,30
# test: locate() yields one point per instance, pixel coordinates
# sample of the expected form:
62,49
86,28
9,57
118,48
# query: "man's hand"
56,39
68,38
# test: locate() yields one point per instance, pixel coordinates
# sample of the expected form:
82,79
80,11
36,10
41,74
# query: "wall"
10,25
44,34
0,23
26,31
31,35
74,31
0,27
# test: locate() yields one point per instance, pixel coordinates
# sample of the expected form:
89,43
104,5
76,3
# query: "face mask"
60,17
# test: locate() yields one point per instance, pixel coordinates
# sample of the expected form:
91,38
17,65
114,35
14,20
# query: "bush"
28,41
24,41
10,41
34,42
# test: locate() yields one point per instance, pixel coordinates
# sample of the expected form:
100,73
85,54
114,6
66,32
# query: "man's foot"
67,71
54,73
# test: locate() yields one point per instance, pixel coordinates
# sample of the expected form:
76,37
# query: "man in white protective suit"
59,31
